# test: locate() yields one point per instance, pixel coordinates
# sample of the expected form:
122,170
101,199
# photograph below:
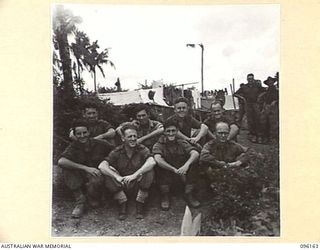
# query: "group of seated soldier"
150,152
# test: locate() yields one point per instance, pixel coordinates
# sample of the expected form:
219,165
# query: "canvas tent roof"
135,96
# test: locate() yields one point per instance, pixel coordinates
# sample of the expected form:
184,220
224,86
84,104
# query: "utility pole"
192,45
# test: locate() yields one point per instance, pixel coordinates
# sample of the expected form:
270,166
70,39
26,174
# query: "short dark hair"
140,107
182,99
250,74
79,123
89,105
128,126
216,102
170,122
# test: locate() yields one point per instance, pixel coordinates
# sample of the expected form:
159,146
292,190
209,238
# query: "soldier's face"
181,109
250,79
171,133
216,111
91,114
130,137
142,117
222,132
82,134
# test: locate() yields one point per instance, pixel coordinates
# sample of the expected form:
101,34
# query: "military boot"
191,200
78,211
165,201
139,210
123,211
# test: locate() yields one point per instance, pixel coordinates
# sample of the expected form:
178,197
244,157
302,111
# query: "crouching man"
79,162
127,166
224,160
177,160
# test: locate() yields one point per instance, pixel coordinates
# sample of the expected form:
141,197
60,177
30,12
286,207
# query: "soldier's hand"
235,164
193,140
182,170
135,123
93,171
222,163
127,179
139,141
119,179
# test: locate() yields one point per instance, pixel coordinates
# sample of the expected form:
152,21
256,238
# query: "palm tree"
64,23
96,60
80,51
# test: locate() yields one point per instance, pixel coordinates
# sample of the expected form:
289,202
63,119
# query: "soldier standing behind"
187,122
148,130
218,115
250,93
269,118
98,129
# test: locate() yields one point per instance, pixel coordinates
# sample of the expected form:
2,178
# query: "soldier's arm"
147,166
234,130
108,170
69,164
194,156
107,135
242,155
163,164
202,133
156,132
182,136
208,158
239,96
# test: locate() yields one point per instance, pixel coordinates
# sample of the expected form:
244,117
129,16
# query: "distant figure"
241,107
118,85
269,117
80,167
249,93
220,96
128,166
177,161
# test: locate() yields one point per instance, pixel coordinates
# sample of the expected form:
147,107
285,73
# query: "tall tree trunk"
66,64
95,81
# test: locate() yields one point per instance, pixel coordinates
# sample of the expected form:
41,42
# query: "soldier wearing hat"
269,119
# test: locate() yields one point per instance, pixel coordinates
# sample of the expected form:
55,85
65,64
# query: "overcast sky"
149,42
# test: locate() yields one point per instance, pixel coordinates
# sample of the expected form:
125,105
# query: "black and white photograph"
165,120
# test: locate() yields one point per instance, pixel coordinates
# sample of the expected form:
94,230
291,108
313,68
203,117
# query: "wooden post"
232,91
